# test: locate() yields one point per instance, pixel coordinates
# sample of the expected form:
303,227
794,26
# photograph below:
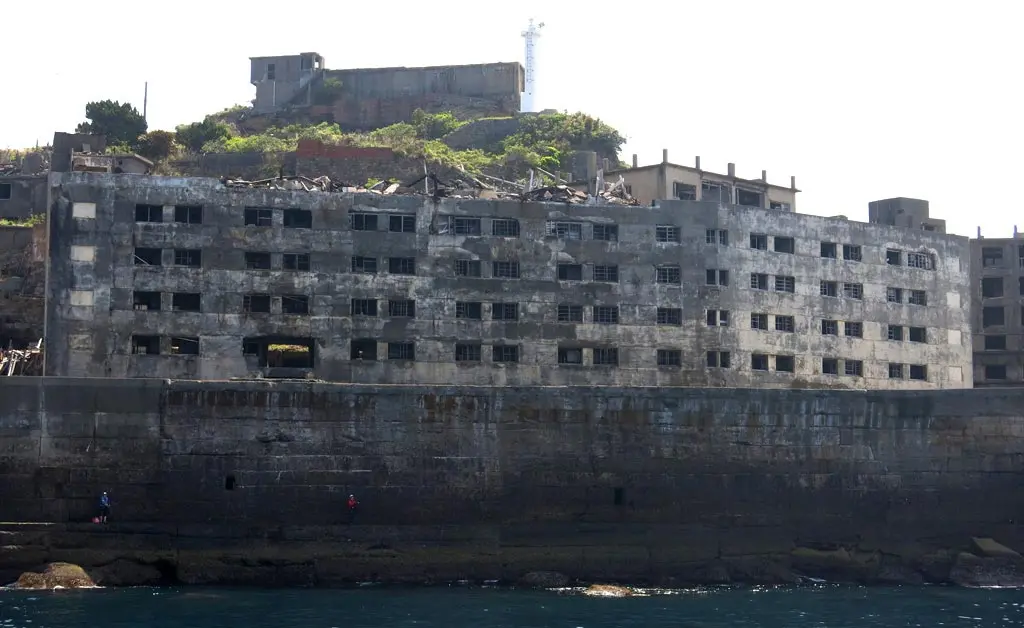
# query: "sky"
859,100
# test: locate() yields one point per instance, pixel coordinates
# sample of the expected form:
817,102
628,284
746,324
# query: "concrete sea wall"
626,483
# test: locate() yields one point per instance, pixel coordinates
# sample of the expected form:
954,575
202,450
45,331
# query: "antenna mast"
530,34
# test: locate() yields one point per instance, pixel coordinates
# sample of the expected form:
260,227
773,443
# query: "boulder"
991,548
544,580
608,590
62,575
987,571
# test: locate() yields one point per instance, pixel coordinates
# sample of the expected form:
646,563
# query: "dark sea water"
821,607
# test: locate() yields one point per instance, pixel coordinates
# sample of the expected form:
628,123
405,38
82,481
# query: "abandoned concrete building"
997,310
909,213
190,278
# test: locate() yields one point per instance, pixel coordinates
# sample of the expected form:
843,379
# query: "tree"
193,136
156,145
121,123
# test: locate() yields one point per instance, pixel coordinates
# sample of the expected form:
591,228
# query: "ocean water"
467,607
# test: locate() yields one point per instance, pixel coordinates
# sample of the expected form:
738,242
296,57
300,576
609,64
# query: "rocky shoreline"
133,555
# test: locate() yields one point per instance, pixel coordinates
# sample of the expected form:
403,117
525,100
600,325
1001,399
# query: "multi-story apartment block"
189,278
997,310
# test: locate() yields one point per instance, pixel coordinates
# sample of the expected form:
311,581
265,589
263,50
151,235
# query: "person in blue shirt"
104,507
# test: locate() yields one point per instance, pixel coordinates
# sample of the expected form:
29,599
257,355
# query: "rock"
978,571
608,590
991,548
123,572
544,580
63,575
898,573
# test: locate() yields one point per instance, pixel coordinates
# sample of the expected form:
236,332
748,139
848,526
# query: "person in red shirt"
353,505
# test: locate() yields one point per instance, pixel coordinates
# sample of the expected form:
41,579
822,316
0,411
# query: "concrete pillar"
664,155
792,183
697,161
606,164
635,162
732,170
764,176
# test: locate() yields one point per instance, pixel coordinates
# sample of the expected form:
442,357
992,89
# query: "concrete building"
909,213
280,80
189,278
997,310
22,195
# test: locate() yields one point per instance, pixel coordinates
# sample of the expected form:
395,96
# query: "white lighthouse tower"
529,94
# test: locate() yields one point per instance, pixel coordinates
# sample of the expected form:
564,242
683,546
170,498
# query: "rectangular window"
364,307
758,362
606,356
715,318
148,257
852,253
995,371
466,352
192,258
608,274
505,270
894,332
364,349
918,372
257,260
923,261
717,277
666,233
670,316
5,192
570,272
146,301
256,303
606,314
759,281
570,313
828,249
401,351
895,371
188,214
829,366
784,244
723,237
759,241
829,289
893,257
295,304
565,230
1020,286
606,233
505,311
470,310
917,334
363,222
785,364
295,261
785,323
402,223
402,265
146,345
719,359
186,302
362,264
992,287
467,268
668,274
461,225
991,257
917,297
759,321
505,353
993,316
894,295
853,368
184,345
710,236
402,308
684,191
297,219
995,343
853,329
505,227
785,283
670,357
853,290
256,217
149,213
829,327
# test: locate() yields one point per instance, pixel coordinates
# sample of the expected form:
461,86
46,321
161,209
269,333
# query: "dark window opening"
186,302
992,287
619,496
257,261
670,316
148,257
468,268
364,265
785,245
852,253
895,371
894,332
785,363
993,316
402,224
468,352
995,371
229,483
146,345
853,367
892,257
363,222
684,191
192,258
505,227
758,362
364,349
146,301
670,357
668,275
255,217
256,303
295,261
917,297
505,353
606,273
149,213
759,241
666,233
758,281
995,343
606,356
828,250
991,257
719,359
570,313
505,270
570,355
402,265
5,191
829,327
271,72
570,272
918,371
364,307
749,198
188,214
606,233
829,289
917,334
184,345
472,310
401,351
606,314
281,351
829,366
402,308
295,304
298,219
458,225
505,311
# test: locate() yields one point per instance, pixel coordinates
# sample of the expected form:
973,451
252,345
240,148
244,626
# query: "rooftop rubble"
33,163
22,361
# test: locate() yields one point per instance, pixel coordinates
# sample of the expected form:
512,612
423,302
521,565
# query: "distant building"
280,80
909,213
997,310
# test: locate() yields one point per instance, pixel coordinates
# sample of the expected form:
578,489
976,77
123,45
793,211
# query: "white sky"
860,100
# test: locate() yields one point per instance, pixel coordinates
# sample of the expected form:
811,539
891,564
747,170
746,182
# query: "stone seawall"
627,483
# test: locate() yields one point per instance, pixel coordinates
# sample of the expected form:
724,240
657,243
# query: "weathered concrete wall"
22,285
997,310
22,196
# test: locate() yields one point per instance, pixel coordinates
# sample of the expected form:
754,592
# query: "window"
295,261
402,224
505,270
364,307
570,272
829,366
784,245
402,308
995,343
5,191
256,303
715,318
402,265
895,371
186,302
668,274
364,349
471,310
894,332
917,297
505,311
684,191
606,233
465,352
719,237
748,198
852,253
297,219
853,329
992,287
917,334
785,363
606,356
257,261
723,237
759,321
785,323
148,257
992,316
924,261
363,222
709,237
188,214
670,357
362,264
892,257
666,233
759,281
714,276
255,217
670,316
570,355
853,290
146,301
785,283
184,345
505,353
758,362
570,313
505,227
295,304
829,327
828,249
461,225
918,371
854,368
467,268
995,371
829,289
565,230
401,351
606,314
991,257
713,192
271,72
719,359
1020,286
188,257
606,273
894,295
149,213
759,241
146,345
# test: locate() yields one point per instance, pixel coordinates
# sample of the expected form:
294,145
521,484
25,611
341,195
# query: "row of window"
994,288
995,316
996,372
992,256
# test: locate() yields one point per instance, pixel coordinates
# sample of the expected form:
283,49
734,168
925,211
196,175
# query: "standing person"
353,505
104,507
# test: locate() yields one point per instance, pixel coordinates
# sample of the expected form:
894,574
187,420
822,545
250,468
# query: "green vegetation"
31,221
327,91
121,123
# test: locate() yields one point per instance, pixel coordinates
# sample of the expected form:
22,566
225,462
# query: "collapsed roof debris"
22,361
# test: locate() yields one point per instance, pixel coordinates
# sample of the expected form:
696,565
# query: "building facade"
909,213
997,310
189,278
